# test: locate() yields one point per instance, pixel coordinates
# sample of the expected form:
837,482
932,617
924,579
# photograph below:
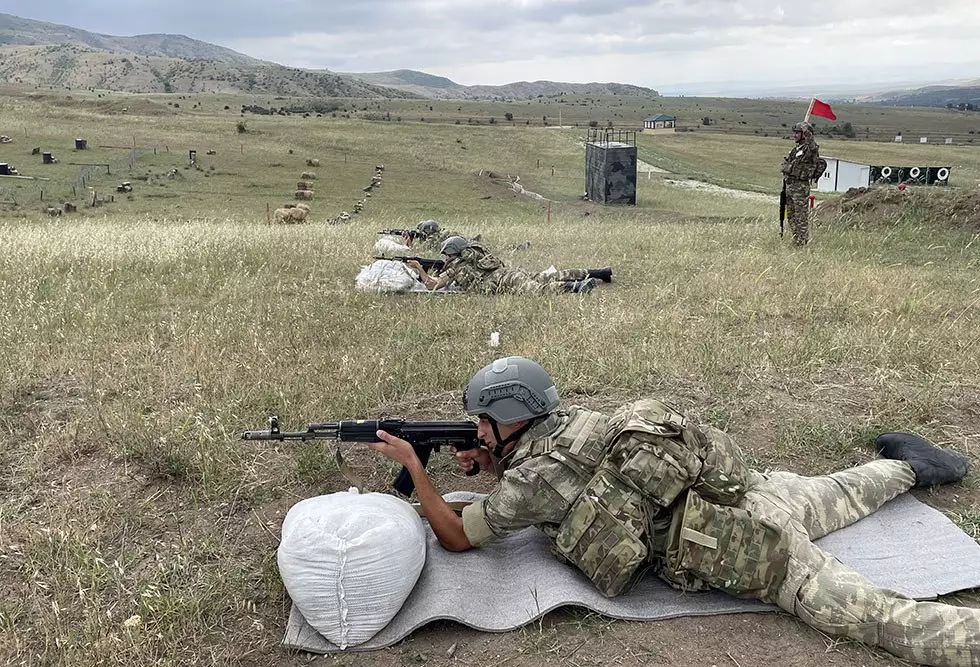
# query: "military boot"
583,286
932,465
604,274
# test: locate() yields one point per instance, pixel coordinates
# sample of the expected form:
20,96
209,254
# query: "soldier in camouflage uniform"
645,486
799,168
473,268
430,235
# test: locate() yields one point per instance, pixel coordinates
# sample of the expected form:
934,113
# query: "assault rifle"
425,438
782,209
427,263
413,233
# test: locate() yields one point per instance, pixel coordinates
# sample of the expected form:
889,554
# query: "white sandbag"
350,560
386,275
387,246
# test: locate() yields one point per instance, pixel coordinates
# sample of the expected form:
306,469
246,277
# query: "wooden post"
549,210
243,149
539,163
552,170
268,217
42,195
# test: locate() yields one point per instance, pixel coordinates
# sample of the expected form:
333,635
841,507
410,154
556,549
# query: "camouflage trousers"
829,596
516,281
563,275
798,210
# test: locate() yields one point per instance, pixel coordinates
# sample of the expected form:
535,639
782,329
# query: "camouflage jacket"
611,492
473,270
801,163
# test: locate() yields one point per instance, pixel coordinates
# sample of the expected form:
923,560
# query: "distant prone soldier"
473,268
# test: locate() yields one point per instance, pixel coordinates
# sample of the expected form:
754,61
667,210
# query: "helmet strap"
498,449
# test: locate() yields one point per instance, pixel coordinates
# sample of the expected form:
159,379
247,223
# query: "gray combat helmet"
509,390
429,227
453,246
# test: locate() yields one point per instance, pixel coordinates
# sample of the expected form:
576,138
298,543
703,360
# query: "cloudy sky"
676,46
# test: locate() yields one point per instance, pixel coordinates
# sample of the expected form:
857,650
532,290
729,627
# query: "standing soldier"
799,168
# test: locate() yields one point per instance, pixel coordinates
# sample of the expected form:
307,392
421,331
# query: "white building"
842,175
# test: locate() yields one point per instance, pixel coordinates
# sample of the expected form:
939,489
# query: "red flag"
822,109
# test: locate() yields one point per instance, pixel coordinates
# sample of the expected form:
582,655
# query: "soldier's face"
484,431
798,136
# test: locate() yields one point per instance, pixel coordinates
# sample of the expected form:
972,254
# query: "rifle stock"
428,264
424,436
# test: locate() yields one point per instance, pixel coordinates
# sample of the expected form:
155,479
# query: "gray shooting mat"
905,546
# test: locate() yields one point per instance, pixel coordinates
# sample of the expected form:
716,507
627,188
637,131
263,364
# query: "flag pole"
806,119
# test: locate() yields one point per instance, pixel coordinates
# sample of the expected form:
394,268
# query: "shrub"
241,127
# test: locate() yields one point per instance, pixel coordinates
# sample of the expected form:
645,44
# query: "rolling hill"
35,53
967,92
46,55
428,85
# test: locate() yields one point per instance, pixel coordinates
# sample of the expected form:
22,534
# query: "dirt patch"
888,205
719,190
512,182
644,167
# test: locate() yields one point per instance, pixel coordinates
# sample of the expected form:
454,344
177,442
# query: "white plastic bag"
386,246
551,269
349,561
386,275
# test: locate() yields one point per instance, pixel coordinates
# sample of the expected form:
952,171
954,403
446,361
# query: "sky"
674,46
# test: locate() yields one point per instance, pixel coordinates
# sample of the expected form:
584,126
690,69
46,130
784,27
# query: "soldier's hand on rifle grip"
471,461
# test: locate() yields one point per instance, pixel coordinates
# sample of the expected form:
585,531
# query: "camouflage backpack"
481,257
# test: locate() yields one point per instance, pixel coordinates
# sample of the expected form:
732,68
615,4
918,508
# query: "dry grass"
139,340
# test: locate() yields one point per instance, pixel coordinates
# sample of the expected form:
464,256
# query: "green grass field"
142,336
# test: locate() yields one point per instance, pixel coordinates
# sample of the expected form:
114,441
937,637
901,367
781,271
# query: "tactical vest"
700,537
620,476
801,164
602,534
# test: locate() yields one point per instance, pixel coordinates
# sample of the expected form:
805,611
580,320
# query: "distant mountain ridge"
428,85
967,92
17,31
46,54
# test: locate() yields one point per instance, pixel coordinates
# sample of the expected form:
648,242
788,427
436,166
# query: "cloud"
646,42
